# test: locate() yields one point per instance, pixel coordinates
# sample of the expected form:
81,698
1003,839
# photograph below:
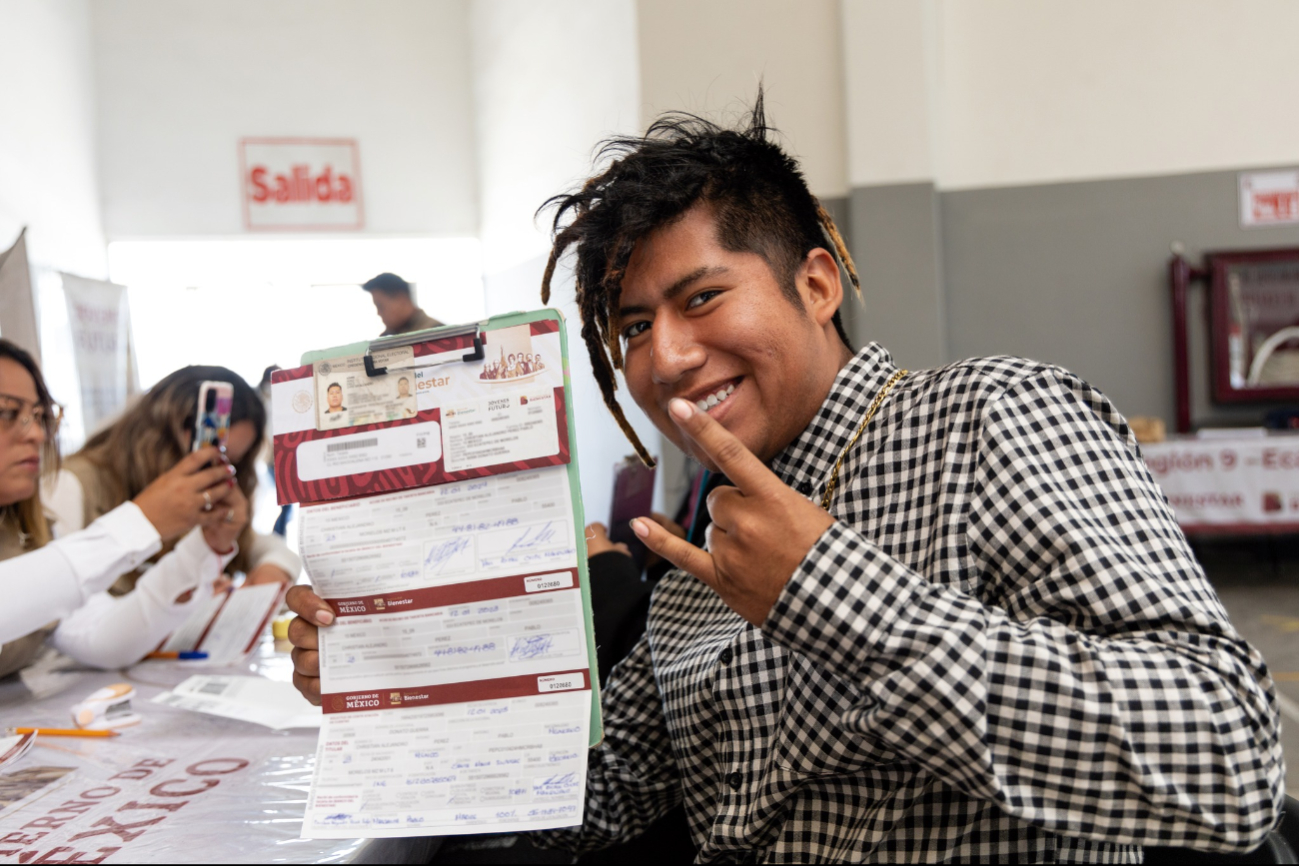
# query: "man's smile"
713,396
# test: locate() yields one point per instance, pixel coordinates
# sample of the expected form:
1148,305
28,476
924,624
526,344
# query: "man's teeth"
713,399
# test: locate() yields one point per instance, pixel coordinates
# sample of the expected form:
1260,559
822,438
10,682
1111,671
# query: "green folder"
574,484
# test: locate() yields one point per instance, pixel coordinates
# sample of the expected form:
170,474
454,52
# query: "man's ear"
820,286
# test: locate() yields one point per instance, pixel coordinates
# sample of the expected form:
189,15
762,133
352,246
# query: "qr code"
421,441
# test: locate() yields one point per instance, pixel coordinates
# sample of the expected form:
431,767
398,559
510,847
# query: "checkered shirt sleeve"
1083,677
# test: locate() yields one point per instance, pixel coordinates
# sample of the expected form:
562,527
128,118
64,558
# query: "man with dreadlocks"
939,615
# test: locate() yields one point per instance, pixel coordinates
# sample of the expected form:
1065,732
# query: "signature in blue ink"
531,646
444,552
484,525
469,649
556,785
529,539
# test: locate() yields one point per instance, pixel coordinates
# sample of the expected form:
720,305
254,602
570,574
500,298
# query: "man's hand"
761,529
312,612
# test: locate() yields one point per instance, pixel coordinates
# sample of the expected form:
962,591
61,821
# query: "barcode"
421,441
348,446
214,688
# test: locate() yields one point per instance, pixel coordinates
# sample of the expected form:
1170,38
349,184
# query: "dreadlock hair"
758,196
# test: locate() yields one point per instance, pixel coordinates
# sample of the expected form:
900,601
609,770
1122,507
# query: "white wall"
551,80
707,56
1038,92
180,81
890,67
988,93
47,135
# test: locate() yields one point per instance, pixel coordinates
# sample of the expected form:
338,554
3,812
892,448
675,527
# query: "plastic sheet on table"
180,786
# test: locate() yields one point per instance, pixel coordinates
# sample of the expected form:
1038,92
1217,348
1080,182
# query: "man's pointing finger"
734,460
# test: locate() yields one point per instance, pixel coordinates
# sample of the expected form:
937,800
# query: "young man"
392,301
940,615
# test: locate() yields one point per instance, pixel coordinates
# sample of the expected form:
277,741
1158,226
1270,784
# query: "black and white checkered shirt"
1002,649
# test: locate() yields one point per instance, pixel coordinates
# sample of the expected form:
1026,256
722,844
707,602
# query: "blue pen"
183,656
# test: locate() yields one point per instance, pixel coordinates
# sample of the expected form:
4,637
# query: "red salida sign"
301,184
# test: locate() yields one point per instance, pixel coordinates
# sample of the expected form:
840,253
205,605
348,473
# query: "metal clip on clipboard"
398,341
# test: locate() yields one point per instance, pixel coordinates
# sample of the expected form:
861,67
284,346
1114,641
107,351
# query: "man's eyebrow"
678,287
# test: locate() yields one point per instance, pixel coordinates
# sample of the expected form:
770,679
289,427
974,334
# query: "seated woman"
123,459
43,580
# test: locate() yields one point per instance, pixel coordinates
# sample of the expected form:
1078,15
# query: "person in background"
393,303
125,458
43,579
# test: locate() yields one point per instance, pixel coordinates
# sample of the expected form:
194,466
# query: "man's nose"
674,350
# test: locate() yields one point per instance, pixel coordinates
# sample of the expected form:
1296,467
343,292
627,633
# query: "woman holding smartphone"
124,458
43,579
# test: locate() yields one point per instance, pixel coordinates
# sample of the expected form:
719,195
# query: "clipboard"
450,370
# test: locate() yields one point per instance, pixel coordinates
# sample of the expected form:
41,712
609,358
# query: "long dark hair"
760,203
154,433
29,514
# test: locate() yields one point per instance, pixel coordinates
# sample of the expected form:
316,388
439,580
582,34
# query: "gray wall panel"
894,240
1075,274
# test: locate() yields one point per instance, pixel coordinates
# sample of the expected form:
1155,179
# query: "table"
179,786
1237,482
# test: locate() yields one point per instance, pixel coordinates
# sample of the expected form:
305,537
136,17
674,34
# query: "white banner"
17,308
100,320
1229,484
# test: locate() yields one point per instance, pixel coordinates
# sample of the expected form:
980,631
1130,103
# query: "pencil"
63,732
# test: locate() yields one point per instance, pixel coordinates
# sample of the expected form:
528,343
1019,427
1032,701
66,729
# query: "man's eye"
702,298
8,415
634,329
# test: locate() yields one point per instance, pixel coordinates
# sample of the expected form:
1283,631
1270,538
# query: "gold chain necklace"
870,413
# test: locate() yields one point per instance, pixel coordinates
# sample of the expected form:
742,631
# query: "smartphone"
212,421
633,495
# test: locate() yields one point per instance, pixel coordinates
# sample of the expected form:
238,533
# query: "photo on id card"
348,397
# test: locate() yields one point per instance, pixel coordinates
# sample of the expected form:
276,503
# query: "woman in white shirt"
150,602
43,580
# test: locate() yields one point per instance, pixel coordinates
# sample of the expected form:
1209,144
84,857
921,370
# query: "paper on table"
187,637
266,702
456,681
241,620
227,625
14,747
